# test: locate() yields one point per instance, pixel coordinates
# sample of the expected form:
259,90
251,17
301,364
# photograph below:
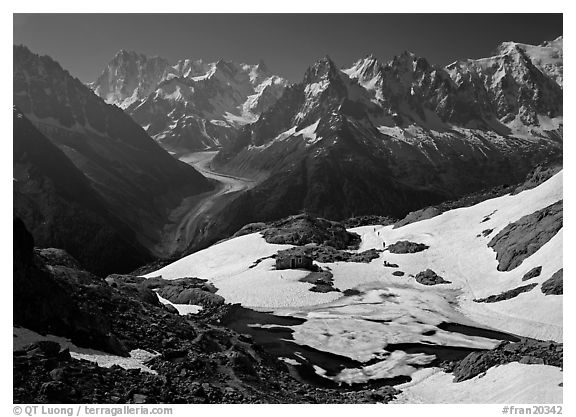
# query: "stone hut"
294,258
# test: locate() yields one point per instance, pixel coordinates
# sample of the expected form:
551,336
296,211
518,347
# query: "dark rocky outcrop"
236,372
404,246
322,281
328,254
554,285
533,273
178,291
430,277
303,229
60,208
506,295
520,239
368,220
418,215
57,257
44,299
541,173
528,351
190,296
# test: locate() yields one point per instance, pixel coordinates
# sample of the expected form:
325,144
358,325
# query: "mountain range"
192,105
373,138
210,233
389,138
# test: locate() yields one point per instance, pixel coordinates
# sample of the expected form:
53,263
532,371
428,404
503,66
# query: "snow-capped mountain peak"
192,104
323,69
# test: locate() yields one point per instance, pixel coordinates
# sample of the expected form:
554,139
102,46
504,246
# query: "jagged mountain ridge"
378,139
191,105
138,180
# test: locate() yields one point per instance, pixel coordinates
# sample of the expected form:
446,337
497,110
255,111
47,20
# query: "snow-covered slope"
388,310
193,104
513,383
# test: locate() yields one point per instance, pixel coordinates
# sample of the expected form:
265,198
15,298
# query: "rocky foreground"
199,360
194,359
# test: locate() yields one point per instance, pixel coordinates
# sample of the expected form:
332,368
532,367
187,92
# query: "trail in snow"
183,221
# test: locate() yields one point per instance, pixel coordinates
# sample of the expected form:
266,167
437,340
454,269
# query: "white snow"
309,133
513,383
398,363
227,265
23,337
460,256
317,88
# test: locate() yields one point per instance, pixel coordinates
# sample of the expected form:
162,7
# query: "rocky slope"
138,181
189,359
520,239
60,207
192,105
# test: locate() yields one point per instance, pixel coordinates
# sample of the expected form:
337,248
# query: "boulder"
405,246
554,285
178,295
533,273
418,215
429,277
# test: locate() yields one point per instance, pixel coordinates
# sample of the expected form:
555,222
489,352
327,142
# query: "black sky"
288,43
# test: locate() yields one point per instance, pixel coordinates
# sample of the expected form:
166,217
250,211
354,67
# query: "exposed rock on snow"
303,229
507,295
430,277
405,246
554,285
533,273
527,350
520,239
322,281
194,296
415,216
327,254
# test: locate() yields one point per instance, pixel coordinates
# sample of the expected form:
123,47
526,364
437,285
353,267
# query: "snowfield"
513,383
390,309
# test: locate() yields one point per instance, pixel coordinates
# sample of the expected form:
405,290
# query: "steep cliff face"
61,209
